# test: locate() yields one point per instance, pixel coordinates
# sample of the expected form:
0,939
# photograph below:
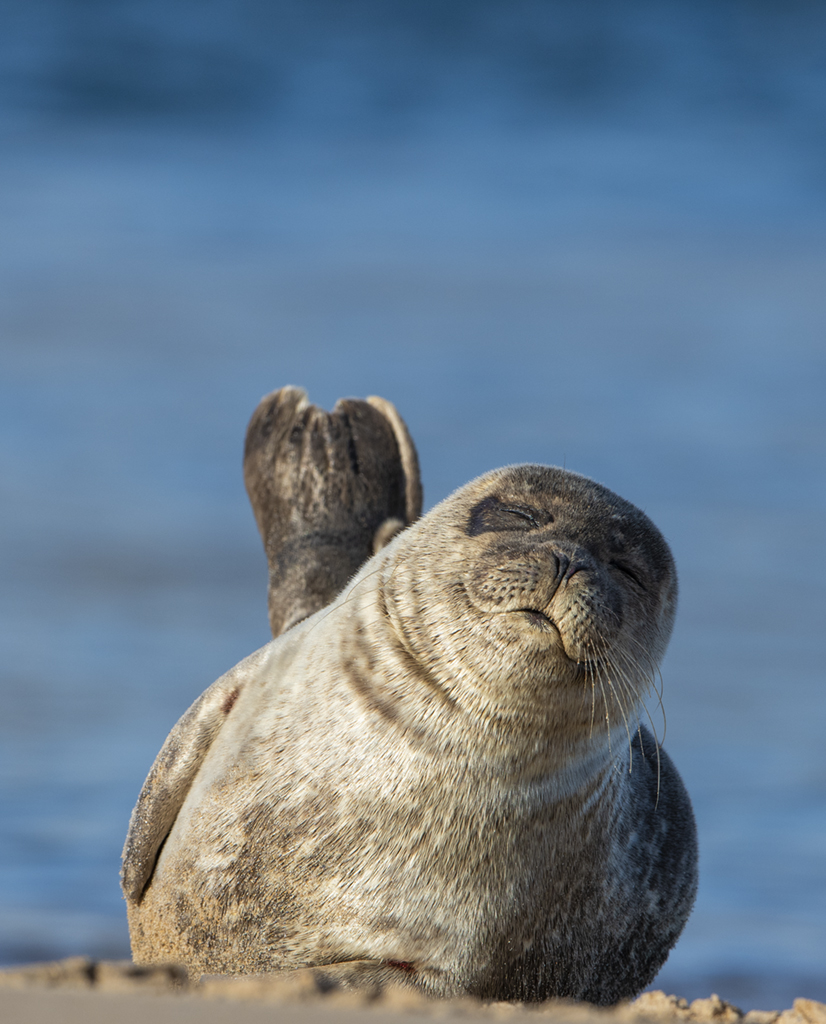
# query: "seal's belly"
302,879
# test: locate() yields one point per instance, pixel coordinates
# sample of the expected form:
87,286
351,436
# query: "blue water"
550,232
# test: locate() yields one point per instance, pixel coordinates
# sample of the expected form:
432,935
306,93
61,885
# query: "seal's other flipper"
172,774
408,455
327,490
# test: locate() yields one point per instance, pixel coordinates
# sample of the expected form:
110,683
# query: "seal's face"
546,580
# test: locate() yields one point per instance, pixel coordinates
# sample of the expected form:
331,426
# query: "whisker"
655,671
351,595
624,690
657,743
607,719
590,676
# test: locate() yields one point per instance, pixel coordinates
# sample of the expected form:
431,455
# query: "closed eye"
523,513
627,571
494,516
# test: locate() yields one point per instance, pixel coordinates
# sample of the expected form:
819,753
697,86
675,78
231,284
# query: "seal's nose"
569,563
573,568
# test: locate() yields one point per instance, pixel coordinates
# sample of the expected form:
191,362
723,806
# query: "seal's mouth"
543,624
538,619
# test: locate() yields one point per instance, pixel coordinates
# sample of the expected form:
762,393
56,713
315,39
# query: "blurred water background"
586,233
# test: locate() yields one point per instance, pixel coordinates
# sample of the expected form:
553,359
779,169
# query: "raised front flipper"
173,773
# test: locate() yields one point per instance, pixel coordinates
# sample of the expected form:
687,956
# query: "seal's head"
537,596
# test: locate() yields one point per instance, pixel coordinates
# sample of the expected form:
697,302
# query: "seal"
442,776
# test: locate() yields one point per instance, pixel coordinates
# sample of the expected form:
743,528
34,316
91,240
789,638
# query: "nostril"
573,569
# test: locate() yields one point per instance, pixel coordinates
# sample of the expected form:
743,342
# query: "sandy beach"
79,990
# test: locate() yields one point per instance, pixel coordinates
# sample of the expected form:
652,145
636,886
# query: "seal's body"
442,773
